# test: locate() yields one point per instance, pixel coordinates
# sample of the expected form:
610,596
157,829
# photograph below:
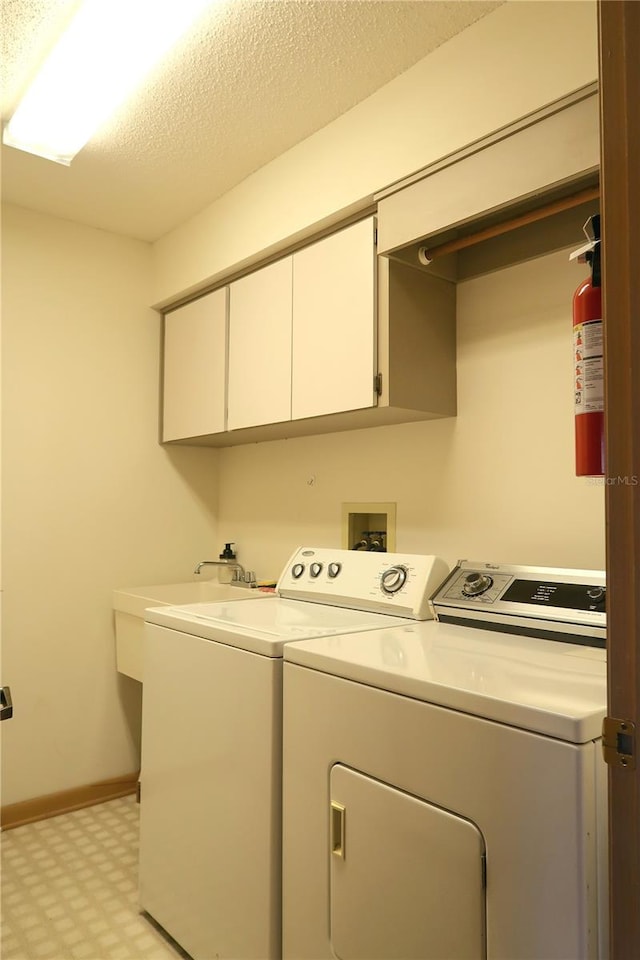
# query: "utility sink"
130,603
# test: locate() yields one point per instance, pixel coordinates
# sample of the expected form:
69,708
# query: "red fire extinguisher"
588,360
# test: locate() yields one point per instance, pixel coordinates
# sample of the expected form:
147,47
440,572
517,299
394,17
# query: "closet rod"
427,254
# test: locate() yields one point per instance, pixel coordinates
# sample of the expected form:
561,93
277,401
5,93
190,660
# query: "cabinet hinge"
138,791
483,867
375,236
377,384
619,742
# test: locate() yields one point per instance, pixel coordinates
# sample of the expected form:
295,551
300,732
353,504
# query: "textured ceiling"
253,79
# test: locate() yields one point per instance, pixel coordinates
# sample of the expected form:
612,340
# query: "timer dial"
475,584
315,569
393,579
596,593
297,570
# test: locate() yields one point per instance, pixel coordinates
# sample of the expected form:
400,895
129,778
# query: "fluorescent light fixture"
108,48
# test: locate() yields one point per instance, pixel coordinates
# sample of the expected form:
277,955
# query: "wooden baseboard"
53,804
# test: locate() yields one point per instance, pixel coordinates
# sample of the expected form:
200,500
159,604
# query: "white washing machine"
444,789
211,778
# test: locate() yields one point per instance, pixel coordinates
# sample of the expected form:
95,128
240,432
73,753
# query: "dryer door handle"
337,821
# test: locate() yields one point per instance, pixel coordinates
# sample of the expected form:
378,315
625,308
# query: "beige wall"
91,501
503,489
496,483
524,55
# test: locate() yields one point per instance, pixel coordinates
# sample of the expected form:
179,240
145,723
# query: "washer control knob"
334,569
475,584
596,593
315,569
297,570
393,579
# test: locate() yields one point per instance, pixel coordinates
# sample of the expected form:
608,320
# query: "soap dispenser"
228,556
227,553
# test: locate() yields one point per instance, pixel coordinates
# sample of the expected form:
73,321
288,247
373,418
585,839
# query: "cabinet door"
407,877
334,323
195,356
260,347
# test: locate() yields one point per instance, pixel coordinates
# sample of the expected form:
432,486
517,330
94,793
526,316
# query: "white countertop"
135,600
129,605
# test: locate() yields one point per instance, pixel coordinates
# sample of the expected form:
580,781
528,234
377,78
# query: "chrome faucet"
237,567
240,578
228,559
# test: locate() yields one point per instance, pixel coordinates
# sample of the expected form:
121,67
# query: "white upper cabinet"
345,333
302,333
328,338
260,347
334,323
195,348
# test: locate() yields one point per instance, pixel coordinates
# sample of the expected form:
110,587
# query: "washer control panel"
388,583
537,601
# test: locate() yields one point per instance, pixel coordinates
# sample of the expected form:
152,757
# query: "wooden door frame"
619,41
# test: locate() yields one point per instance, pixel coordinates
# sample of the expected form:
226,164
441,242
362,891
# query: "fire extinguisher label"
589,367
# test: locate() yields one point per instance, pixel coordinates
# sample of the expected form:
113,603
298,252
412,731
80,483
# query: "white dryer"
444,789
211,778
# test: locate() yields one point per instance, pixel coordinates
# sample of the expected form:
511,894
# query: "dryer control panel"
546,602
391,583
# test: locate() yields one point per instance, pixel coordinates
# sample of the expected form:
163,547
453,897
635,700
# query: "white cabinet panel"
558,148
406,876
334,323
195,344
210,795
260,347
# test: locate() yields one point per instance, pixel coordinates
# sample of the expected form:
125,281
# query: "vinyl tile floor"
69,889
